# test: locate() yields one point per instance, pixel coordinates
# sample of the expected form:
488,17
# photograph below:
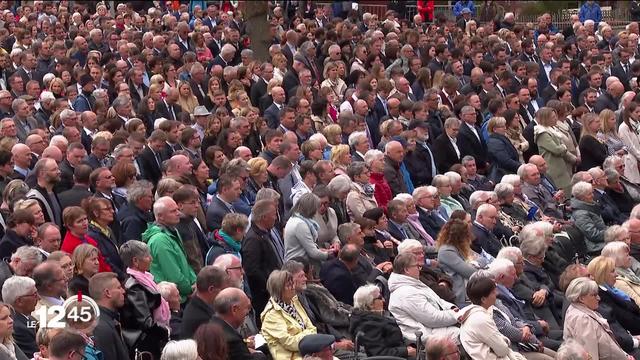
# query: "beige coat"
358,202
282,332
592,331
629,287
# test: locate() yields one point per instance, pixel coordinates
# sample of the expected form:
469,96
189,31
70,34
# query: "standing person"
106,290
47,174
136,213
552,149
628,131
77,225
167,248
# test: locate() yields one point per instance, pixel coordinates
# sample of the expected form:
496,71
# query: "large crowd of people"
457,186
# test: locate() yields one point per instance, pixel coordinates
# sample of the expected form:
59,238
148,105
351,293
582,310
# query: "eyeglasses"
419,266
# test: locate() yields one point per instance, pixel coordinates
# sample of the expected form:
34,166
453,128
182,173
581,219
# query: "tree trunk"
255,14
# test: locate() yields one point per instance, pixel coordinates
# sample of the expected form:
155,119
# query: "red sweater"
382,191
71,242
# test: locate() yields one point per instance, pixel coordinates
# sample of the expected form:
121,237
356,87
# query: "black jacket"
11,242
108,247
236,347
469,144
608,209
195,314
430,222
139,329
259,259
381,335
149,165
485,240
74,196
107,336
24,334
418,164
444,153
66,177
623,317
133,222
592,152
337,278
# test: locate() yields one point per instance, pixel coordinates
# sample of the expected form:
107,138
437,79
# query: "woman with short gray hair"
626,279
587,218
511,213
148,319
339,188
379,334
284,320
585,325
301,232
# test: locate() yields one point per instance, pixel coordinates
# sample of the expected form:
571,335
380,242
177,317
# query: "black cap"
315,343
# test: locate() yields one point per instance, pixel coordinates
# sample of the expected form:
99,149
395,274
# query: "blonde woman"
8,348
609,133
186,99
626,280
56,86
592,146
258,176
341,158
559,160
85,265
333,134
333,81
279,62
33,206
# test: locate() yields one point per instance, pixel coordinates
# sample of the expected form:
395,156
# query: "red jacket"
382,191
71,242
425,9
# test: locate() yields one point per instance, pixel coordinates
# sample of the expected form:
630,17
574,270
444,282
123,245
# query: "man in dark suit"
210,281
136,213
259,88
182,39
137,88
80,189
470,138
482,228
445,147
152,157
231,306
439,61
229,190
623,69
198,83
272,113
427,202
546,65
420,162
169,108
289,49
609,100
215,45
609,211
225,57
336,275
262,251
21,294
28,70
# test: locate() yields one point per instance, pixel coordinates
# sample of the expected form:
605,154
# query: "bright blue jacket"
590,12
459,5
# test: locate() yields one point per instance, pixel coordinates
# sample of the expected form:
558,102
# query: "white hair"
224,261
500,267
503,190
453,176
404,197
339,184
355,137
570,350
160,205
408,245
58,139
16,287
372,155
510,253
365,295
580,189
476,197
319,137
180,350
617,250
165,288
27,254
589,22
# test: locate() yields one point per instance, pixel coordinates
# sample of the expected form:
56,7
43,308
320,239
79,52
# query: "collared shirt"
455,146
228,205
473,130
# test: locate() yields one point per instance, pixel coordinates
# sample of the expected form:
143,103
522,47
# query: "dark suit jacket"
272,115
196,313
259,260
605,101
337,278
618,71
74,196
196,92
444,153
24,334
236,347
215,213
135,97
592,152
35,75
434,66
430,222
286,51
133,222
486,240
527,133
164,111
470,145
218,60
609,211
502,153
258,89
548,93
149,165
184,49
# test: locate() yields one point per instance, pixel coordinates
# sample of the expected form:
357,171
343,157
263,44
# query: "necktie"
158,159
531,110
626,68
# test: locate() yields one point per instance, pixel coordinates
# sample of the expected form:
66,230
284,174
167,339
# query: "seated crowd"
464,186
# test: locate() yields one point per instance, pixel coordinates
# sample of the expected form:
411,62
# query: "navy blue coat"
337,278
502,154
133,222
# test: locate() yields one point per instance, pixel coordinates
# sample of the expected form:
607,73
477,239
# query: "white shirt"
455,146
473,130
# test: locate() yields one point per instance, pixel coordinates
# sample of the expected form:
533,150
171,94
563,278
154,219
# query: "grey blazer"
454,265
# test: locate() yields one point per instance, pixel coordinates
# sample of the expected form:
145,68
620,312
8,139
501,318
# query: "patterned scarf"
368,189
291,310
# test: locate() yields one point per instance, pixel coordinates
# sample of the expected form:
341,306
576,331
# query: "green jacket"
169,258
559,160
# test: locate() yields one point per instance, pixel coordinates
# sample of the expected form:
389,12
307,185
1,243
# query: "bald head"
394,151
52,152
616,89
21,155
35,143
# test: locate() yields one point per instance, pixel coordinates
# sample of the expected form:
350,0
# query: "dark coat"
605,101
107,336
394,177
66,177
149,165
418,164
469,144
527,133
258,89
259,259
108,247
609,210
195,314
430,222
337,278
272,115
444,153
381,335
133,222
624,312
163,110
503,156
592,152
24,334
138,326
236,347
11,242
